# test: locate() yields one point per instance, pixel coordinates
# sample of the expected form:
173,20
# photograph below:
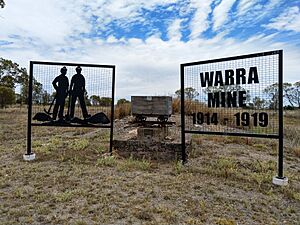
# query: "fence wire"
246,104
98,85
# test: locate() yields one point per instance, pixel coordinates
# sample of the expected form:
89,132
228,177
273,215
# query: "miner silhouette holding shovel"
77,90
61,85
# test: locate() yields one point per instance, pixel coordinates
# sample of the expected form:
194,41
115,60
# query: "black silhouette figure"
61,85
77,90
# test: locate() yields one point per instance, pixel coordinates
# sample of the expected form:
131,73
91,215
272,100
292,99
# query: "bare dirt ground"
74,180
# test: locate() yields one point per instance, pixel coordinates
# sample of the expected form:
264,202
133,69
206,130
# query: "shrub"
108,161
122,101
7,96
122,110
176,105
135,164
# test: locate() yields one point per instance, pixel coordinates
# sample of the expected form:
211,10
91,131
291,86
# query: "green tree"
105,101
7,96
37,92
11,74
46,98
189,93
18,98
296,93
122,101
291,92
87,99
258,102
288,90
95,100
272,92
23,80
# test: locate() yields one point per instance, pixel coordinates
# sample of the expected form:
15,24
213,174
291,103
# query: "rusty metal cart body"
143,107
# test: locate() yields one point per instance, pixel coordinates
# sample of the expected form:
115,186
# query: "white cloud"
289,20
123,12
220,14
262,10
200,21
111,39
174,30
41,21
54,22
245,5
250,13
273,3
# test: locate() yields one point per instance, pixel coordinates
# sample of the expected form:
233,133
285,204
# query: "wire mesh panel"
233,96
70,95
238,96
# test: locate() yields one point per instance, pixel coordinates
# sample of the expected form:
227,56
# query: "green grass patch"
79,144
66,196
225,221
134,164
109,161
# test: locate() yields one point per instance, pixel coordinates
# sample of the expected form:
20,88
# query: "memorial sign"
70,95
237,96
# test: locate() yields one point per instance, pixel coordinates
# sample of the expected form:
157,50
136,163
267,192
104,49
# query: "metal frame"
280,107
29,120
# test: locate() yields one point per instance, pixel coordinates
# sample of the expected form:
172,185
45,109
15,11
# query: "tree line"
13,76
14,84
267,99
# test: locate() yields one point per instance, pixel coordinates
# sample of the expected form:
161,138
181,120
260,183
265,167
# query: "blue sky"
147,40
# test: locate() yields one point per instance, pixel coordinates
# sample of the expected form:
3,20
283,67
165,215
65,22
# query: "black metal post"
112,111
280,102
183,147
29,110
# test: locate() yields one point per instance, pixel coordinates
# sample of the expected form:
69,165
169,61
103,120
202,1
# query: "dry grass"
293,114
122,110
74,181
292,132
296,151
176,105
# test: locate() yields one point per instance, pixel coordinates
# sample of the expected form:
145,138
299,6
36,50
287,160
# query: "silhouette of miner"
77,89
61,85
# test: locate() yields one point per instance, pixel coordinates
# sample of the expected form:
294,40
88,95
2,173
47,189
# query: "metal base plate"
280,181
29,157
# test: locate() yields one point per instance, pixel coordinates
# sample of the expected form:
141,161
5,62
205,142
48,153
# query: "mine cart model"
151,106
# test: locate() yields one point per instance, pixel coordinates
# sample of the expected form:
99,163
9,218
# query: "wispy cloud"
244,6
289,20
174,32
200,21
221,13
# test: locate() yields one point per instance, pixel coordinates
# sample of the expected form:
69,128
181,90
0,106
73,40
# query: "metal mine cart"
151,106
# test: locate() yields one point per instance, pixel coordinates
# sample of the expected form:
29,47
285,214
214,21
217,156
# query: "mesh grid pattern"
258,116
98,85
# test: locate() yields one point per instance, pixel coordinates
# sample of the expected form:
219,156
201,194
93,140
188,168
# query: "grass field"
228,180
